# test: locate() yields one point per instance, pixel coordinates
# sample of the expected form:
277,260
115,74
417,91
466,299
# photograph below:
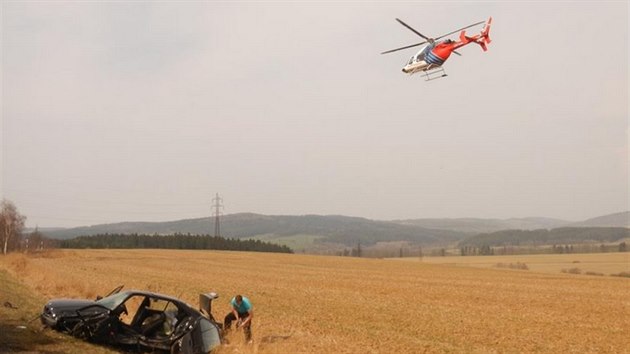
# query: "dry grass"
306,304
20,330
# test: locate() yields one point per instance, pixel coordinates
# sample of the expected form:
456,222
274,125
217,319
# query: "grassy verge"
20,329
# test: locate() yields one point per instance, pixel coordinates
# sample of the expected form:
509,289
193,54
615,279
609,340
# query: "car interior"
150,317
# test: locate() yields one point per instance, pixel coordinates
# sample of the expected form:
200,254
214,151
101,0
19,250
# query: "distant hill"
612,220
309,232
476,226
28,230
330,228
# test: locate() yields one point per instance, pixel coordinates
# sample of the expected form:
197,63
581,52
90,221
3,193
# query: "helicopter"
430,58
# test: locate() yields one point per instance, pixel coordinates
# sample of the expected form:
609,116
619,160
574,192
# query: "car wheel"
81,331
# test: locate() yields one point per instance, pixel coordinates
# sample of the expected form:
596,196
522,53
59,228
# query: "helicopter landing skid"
435,73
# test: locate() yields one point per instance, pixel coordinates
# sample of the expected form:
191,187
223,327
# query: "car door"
203,338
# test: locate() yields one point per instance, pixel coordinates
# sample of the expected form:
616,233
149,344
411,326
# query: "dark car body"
140,320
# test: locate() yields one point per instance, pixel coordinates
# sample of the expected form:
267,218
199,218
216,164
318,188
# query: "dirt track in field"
307,304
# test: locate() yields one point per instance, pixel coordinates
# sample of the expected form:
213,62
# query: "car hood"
58,305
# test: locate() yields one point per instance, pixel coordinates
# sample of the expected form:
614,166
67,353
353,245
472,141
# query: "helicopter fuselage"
430,57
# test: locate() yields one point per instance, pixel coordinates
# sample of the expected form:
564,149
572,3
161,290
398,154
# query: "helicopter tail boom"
483,38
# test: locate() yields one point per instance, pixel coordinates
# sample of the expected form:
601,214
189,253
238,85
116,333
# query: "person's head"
238,299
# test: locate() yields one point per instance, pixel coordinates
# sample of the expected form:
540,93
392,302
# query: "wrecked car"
138,320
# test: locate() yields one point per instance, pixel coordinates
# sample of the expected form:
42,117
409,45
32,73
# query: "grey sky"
142,111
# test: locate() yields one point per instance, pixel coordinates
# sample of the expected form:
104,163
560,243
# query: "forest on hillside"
562,235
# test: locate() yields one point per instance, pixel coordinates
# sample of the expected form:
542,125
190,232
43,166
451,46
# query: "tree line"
176,241
486,250
564,235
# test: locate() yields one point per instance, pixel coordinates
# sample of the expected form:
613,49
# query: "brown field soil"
603,263
319,304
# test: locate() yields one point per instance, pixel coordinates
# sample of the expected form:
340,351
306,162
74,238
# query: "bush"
622,274
594,273
572,271
517,265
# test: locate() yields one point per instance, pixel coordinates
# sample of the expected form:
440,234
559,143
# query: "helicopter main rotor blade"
413,30
456,52
401,48
463,28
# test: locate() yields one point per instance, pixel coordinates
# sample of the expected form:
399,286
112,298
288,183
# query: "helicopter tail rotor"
485,32
484,37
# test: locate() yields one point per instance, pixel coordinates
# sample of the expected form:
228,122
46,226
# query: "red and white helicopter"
430,58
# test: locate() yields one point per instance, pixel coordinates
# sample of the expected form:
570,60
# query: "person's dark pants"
227,323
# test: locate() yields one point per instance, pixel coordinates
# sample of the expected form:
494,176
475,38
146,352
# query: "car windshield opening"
111,302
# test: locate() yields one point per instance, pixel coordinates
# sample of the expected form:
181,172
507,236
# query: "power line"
217,206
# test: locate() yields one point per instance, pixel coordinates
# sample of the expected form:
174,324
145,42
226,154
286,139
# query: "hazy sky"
142,111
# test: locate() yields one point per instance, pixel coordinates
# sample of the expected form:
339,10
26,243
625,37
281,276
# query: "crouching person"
243,312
